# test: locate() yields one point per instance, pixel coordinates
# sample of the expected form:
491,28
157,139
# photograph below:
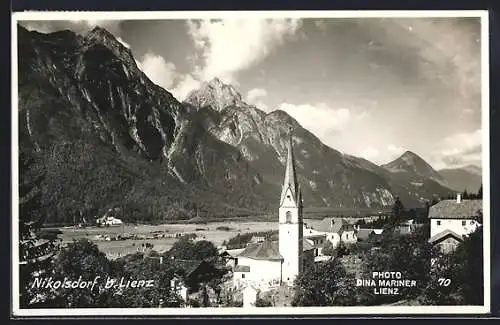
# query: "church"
270,263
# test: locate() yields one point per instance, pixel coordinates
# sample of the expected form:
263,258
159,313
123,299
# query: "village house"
335,230
318,242
107,221
452,220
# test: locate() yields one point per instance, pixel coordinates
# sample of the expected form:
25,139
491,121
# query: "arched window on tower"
288,216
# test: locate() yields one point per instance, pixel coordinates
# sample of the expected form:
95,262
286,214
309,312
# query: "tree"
480,192
328,249
324,284
82,260
408,254
186,249
139,267
398,210
464,269
261,302
34,252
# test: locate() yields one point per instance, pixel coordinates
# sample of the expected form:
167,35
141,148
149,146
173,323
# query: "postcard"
250,163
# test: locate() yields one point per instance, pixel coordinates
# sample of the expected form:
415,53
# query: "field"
116,248
162,237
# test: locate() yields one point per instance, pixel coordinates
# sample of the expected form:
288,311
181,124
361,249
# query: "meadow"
166,234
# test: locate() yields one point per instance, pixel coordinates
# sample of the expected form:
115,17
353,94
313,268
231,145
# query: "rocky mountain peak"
214,93
410,162
99,35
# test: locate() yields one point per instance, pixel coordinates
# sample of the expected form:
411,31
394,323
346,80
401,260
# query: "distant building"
347,233
407,227
318,242
452,220
460,216
109,221
257,239
335,229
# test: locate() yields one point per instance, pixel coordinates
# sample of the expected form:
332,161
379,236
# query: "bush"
223,228
263,303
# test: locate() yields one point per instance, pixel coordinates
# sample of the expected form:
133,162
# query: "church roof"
267,250
451,209
290,180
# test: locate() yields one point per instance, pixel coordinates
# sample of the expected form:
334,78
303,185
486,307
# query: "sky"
368,87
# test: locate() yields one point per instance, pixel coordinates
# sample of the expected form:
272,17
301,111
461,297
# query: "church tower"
290,221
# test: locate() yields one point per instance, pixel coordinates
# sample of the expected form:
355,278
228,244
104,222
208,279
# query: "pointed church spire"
290,174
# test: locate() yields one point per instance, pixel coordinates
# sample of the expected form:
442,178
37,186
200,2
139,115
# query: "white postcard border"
240,311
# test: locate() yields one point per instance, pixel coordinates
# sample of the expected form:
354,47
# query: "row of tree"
329,284
82,259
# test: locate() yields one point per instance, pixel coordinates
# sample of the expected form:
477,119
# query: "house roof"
308,243
326,225
242,268
450,209
443,235
346,227
306,246
314,237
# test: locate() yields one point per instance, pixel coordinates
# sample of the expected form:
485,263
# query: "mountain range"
104,135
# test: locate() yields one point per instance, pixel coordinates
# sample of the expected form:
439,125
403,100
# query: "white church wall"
290,247
250,295
263,273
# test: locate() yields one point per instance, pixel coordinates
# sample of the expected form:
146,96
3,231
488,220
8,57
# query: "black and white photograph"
238,163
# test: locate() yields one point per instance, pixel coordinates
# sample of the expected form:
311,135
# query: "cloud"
255,96
320,119
370,154
458,150
363,115
158,70
77,26
381,156
185,84
397,150
448,53
229,46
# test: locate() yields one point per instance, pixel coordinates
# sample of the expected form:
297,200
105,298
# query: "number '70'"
444,282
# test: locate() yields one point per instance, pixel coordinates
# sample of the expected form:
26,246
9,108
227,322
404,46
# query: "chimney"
459,197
